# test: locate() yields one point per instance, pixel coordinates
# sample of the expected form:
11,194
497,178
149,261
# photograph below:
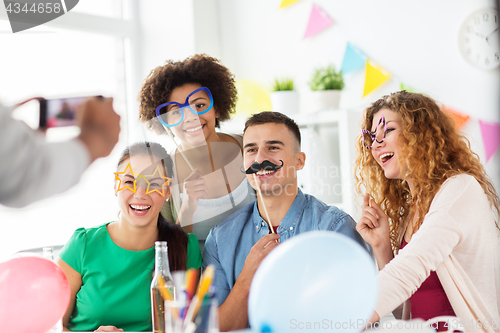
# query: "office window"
54,62
108,8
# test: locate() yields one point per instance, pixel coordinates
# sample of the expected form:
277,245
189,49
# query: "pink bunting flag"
318,21
490,133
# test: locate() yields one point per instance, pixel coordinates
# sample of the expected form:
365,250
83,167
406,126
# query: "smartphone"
60,112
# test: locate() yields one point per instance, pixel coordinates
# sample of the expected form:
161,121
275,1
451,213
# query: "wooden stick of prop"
178,148
263,204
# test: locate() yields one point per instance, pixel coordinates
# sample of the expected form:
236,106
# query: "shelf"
237,123
329,143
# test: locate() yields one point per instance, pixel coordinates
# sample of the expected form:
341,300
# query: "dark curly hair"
200,68
433,150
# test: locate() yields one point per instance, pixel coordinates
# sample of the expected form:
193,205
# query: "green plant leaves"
283,84
327,78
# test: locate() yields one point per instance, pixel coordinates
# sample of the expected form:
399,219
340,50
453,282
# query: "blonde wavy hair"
432,149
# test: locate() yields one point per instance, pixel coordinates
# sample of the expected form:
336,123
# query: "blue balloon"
316,281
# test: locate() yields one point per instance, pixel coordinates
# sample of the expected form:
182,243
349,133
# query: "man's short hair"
266,117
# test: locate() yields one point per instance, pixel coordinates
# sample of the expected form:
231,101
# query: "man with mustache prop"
237,246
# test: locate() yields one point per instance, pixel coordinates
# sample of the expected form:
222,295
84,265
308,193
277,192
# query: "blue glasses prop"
172,113
369,138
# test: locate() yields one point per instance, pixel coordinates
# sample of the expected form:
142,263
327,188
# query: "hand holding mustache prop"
266,165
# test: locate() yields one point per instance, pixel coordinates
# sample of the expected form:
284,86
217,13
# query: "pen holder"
184,317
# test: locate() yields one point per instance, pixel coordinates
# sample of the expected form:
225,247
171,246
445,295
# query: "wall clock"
479,39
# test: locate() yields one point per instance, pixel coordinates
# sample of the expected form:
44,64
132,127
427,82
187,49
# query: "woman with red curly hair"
429,201
190,98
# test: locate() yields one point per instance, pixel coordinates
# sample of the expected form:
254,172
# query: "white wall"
166,32
417,42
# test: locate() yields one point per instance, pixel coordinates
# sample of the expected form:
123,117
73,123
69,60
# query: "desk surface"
388,325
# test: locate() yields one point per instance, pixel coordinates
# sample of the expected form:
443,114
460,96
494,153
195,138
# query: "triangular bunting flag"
407,88
354,59
459,118
491,137
318,21
375,77
286,3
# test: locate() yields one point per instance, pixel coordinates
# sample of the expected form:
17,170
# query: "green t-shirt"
115,281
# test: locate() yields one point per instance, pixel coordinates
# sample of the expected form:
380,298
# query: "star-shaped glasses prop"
155,182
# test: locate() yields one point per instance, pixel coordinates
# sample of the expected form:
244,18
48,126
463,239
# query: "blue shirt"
229,242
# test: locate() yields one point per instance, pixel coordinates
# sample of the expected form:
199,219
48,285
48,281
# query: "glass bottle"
48,253
162,287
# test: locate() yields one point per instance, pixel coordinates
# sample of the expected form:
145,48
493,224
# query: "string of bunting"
355,59
286,3
375,76
319,20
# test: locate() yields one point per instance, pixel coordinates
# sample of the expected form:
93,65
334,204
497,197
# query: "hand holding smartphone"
99,126
60,112
98,122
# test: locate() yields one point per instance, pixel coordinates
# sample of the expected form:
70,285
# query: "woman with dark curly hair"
190,98
434,206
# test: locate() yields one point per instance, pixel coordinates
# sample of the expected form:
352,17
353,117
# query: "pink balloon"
34,295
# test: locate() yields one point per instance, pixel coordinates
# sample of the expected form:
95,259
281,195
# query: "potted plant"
284,98
326,85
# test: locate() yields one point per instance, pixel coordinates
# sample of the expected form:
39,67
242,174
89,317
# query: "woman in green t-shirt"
110,267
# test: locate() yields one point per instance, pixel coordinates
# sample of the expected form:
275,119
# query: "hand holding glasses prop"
171,114
369,138
155,182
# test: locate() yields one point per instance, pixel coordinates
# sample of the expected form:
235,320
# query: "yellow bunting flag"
459,118
286,3
375,77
